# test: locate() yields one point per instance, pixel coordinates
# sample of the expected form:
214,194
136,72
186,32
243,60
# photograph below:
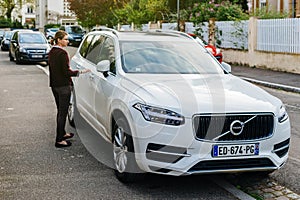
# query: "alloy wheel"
120,150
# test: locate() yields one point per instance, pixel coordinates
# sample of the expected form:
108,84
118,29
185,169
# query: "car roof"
154,35
29,32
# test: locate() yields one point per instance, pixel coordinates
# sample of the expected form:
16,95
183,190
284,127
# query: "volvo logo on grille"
236,127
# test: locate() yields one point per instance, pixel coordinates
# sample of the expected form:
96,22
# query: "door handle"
78,67
92,76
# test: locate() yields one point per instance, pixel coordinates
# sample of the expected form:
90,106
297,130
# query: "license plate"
37,56
235,150
77,40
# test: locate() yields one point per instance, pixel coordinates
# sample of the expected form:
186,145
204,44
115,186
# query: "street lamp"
178,15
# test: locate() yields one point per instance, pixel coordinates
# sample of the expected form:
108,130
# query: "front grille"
211,127
234,164
36,51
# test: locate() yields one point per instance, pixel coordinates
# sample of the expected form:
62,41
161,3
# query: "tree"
132,12
221,11
93,12
142,11
9,5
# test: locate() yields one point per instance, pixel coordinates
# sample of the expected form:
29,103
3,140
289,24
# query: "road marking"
45,69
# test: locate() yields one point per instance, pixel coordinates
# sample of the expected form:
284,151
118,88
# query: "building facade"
53,12
290,6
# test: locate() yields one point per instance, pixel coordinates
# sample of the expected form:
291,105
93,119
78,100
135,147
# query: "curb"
273,85
231,188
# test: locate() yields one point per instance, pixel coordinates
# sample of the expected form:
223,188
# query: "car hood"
34,46
191,94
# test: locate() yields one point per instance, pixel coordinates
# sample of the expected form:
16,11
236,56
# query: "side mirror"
103,66
226,67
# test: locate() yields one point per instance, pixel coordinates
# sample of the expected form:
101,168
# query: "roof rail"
174,32
114,31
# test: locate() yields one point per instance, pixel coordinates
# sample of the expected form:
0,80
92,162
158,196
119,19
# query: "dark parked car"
75,33
28,46
1,34
5,41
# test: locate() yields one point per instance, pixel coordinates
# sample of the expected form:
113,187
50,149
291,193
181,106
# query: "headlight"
159,115
48,50
22,50
282,114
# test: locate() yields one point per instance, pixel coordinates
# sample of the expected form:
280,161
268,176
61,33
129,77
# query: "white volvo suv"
167,106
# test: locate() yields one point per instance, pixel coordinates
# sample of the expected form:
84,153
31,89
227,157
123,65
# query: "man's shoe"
59,145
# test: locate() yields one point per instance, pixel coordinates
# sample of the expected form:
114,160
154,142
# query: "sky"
56,5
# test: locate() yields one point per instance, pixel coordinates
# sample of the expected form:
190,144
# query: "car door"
91,79
82,85
13,44
104,86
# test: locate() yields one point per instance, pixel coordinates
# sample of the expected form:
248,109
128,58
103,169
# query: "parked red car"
216,52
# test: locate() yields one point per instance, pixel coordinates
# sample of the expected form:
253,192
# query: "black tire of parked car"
10,57
126,168
18,60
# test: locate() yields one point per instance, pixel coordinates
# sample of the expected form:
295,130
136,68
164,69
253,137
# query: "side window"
15,36
95,48
85,45
108,53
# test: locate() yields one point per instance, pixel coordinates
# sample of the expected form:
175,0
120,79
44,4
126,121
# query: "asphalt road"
32,168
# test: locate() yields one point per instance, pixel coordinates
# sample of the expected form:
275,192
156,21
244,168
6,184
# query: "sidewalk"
274,79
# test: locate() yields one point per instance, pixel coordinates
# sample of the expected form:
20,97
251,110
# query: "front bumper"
176,151
33,57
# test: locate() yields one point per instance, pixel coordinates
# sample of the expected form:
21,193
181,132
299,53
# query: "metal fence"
279,35
232,34
273,35
229,34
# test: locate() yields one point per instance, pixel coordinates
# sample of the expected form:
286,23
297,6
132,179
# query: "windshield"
31,38
53,29
74,29
7,34
167,57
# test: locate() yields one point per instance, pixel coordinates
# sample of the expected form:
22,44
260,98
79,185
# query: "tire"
10,57
18,60
126,169
71,110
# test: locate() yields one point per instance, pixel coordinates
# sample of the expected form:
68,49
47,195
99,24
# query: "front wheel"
11,58
18,59
126,169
